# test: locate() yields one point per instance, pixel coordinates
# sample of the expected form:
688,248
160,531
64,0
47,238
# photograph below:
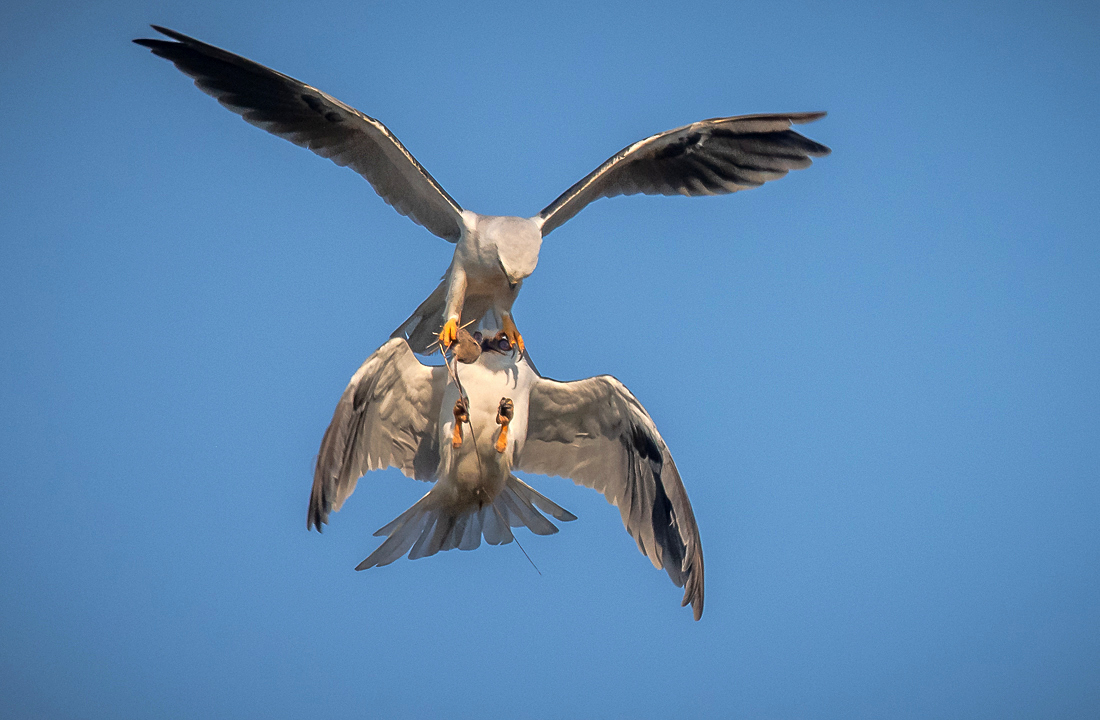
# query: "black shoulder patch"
314,103
646,448
666,533
680,147
318,106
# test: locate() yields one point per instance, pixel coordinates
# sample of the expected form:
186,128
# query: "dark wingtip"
807,117
171,33
696,602
818,150
155,42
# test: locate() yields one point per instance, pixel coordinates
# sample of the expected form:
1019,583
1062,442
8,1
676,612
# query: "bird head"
517,241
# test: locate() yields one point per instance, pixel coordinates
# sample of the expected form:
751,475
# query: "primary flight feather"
493,254
467,433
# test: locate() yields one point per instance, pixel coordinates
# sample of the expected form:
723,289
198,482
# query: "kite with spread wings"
493,254
467,426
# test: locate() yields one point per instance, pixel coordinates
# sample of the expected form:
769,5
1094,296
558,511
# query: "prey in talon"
399,412
467,347
493,254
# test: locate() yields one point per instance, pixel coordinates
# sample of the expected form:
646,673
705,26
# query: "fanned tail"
427,527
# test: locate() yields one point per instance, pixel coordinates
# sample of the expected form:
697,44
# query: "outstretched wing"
308,117
387,417
710,157
595,432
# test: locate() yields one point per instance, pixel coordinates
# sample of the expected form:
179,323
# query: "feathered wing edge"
709,157
315,120
427,527
596,433
386,417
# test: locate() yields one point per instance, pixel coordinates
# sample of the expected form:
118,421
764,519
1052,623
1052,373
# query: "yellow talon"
462,414
449,334
512,333
504,416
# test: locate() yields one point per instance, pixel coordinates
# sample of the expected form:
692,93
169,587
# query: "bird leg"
462,414
449,334
504,416
510,330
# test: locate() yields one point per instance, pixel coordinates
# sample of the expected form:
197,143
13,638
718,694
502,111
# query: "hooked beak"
511,282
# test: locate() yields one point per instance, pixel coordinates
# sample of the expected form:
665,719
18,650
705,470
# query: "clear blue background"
879,376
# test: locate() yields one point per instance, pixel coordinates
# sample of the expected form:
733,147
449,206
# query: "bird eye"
504,345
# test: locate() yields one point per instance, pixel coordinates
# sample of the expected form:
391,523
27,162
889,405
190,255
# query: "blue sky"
888,425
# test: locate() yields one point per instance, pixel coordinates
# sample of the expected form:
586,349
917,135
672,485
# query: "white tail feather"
426,528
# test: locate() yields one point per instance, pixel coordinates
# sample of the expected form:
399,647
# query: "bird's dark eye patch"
499,344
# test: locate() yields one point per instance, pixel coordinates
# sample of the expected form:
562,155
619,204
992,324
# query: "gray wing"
319,122
387,417
710,157
595,432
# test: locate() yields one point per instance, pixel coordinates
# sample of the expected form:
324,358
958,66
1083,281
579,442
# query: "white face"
517,241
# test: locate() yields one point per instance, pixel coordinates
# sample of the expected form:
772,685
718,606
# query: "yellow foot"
504,416
462,414
449,333
513,334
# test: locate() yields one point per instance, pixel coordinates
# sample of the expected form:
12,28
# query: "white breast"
476,478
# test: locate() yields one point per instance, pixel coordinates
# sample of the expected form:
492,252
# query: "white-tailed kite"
469,436
494,253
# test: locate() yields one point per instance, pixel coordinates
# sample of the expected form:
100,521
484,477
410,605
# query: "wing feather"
317,121
386,417
710,157
596,432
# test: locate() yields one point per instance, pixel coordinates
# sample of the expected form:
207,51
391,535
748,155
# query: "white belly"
474,473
